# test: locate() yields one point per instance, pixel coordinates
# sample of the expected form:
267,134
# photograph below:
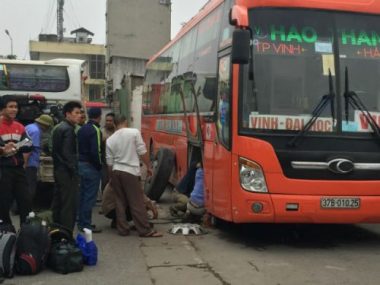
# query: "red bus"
280,99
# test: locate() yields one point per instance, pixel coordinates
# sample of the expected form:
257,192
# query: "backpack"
64,257
32,247
7,250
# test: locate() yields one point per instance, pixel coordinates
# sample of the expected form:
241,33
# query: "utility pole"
60,4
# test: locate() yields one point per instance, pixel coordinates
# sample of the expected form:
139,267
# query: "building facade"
135,31
78,47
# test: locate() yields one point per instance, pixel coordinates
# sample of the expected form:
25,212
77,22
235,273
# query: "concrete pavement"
134,260
231,254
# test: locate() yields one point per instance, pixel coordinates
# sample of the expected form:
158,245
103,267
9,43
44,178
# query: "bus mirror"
240,46
209,89
233,22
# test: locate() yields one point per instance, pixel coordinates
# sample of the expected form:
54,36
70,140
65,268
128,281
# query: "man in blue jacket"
90,166
42,125
190,201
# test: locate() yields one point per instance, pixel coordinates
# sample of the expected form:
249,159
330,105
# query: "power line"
52,20
68,22
49,15
74,14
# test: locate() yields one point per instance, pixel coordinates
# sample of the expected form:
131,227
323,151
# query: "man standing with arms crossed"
65,159
123,152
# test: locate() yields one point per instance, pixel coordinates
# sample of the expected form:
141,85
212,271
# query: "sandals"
152,234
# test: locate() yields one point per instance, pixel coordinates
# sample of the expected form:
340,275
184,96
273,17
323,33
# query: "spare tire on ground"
162,168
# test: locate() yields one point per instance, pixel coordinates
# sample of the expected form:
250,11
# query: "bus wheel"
162,169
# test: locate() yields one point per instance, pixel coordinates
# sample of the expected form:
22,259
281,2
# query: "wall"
127,66
43,50
137,28
136,108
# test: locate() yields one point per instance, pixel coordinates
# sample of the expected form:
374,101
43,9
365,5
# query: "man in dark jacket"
90,166
12,173
65,159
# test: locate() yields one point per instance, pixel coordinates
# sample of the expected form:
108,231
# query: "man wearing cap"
90,165
42,124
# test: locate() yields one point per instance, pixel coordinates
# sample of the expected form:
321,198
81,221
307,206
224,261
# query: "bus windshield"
294,51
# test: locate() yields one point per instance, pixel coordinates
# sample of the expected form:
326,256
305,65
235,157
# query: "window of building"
97,67
95,92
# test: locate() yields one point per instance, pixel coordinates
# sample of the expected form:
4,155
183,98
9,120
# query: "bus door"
193,125
221,192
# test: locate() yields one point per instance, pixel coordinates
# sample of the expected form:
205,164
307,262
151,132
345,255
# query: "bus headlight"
251,176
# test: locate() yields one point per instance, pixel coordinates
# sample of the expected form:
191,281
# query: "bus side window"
3,77
223,101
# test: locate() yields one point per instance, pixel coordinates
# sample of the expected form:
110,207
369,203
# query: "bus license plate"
340,203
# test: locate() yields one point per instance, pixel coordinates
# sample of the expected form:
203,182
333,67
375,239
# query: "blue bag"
89,250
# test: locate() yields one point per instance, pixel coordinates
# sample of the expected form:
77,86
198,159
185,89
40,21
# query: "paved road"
231,254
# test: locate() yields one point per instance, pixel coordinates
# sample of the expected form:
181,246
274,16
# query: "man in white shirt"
123,152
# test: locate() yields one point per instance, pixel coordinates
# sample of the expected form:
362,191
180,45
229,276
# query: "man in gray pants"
65,161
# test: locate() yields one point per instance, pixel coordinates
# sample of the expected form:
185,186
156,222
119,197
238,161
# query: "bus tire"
163,165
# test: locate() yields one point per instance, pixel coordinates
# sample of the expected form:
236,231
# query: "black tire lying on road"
156,184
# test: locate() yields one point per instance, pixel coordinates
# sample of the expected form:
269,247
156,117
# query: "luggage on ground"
64,257
88,248
7,228
7,250
32,246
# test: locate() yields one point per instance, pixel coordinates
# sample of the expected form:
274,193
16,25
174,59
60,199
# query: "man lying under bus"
189,201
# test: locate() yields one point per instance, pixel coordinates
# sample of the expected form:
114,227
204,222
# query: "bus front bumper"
279,208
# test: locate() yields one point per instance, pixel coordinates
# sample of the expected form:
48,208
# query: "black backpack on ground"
64,257
7,250
32,247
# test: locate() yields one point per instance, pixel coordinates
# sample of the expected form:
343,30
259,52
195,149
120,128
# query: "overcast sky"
26,19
